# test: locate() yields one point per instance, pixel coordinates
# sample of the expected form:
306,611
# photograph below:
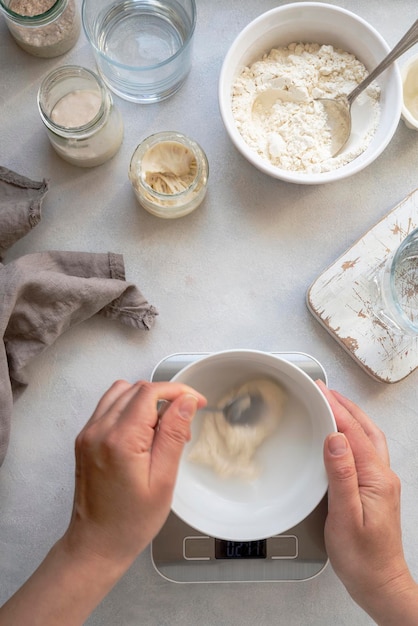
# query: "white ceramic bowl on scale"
313,22
292,479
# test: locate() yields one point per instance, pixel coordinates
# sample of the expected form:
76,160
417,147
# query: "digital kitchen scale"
184,555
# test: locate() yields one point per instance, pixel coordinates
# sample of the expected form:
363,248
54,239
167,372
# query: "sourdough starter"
294,135
229,449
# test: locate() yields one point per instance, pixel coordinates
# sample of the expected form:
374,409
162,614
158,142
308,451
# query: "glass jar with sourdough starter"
169,174
82,123
44,28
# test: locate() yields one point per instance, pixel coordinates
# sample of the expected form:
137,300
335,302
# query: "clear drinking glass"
142,48
44,28
398,284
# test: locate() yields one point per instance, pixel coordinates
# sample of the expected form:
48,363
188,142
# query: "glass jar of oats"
44,28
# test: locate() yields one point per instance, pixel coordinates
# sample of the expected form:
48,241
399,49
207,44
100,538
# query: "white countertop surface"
233,274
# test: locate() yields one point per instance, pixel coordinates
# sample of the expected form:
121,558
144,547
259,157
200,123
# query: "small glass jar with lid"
169,174
83,125
44,28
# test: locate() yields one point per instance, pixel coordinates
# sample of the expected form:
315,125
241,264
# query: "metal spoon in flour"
245,409
338,110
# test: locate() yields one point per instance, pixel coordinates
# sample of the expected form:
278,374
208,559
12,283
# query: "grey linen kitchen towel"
45,293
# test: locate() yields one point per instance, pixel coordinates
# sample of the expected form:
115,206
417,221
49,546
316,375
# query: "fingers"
130,411
109,408
343,485
364,462
374,433
118,396
137,426
112,395
364,436
146,400
169,441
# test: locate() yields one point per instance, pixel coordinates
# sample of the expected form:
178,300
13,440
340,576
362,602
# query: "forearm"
63,591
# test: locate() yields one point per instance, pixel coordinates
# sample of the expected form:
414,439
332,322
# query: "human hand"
126,466
363,529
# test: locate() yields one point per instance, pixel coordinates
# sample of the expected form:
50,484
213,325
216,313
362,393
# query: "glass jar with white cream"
44,28
169,174
83,125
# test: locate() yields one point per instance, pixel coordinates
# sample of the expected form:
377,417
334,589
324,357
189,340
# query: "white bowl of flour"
308,50
252,481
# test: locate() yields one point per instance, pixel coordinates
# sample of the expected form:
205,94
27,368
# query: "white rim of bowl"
296,177
214,528
406,114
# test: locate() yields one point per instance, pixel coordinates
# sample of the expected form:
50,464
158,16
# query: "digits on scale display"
240,549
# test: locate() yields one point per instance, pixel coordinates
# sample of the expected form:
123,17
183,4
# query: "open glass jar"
169,174
398,288
44,28
82,123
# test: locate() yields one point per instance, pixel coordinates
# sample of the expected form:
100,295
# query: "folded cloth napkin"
45,293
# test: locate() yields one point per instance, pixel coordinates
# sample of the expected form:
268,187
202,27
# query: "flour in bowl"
293,134
229,449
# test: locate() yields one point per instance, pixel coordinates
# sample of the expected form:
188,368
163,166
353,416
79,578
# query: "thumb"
169,441
343,489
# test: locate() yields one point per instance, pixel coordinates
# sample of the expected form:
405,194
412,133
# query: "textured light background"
234,274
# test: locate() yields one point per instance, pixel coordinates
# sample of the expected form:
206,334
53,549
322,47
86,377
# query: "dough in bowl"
229,449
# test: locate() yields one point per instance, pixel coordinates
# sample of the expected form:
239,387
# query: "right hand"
363,528
127,458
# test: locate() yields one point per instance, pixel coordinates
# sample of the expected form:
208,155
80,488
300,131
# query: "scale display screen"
240,549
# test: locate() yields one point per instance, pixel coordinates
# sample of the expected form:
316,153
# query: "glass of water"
399,287
142,48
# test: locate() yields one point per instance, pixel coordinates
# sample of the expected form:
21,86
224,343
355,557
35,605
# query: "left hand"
363,529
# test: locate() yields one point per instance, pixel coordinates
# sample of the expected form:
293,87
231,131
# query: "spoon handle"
409,39
163,404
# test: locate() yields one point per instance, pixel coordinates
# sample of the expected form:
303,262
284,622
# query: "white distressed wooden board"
342,298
